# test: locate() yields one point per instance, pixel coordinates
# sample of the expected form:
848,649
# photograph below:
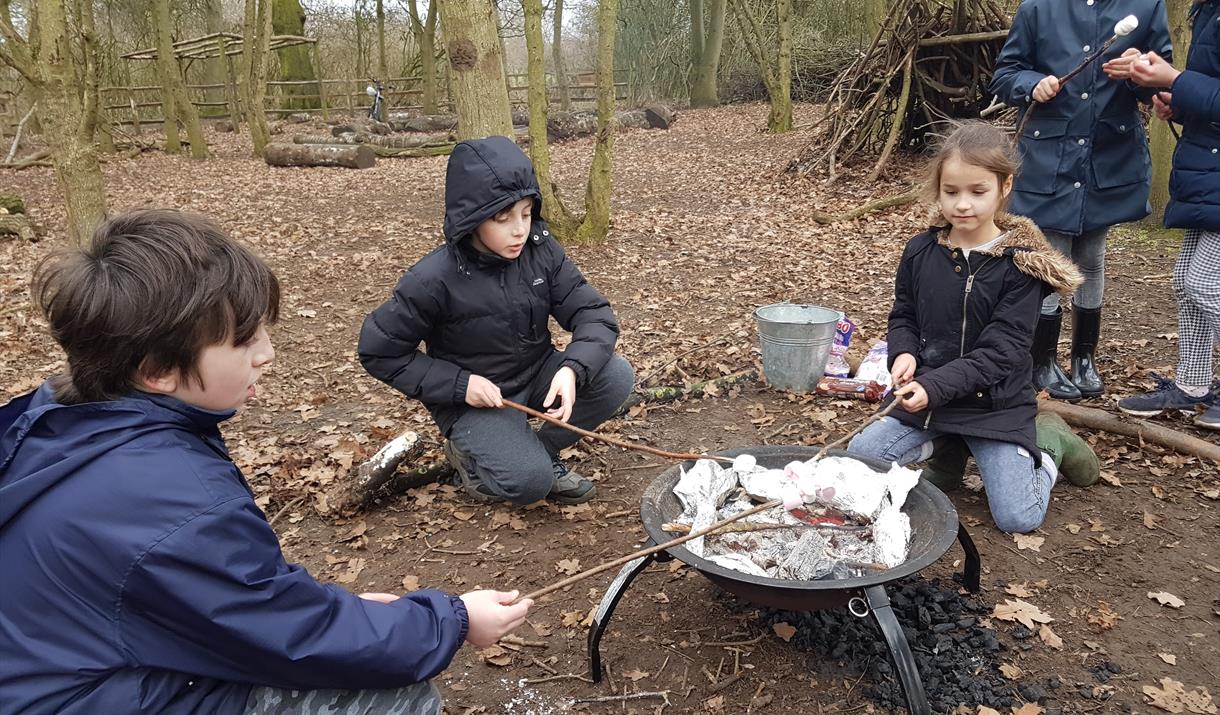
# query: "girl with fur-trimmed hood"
967,298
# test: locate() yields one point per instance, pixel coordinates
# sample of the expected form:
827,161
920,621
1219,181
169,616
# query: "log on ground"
660,116
1095,419
17,225
351,157
371,476
424,123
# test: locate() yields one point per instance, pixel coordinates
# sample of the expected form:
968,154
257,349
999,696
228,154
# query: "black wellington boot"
1086,327
1047,373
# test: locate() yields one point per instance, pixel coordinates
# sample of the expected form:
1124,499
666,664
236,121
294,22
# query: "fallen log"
390,152
38,158
352,494
17,225
423,122
11,203
660,116
909,197
565,125
358,156
1095,419
669,393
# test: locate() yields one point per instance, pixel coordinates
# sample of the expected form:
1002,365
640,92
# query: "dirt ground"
706,228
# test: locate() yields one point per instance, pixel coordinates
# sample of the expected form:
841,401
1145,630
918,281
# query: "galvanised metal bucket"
796,340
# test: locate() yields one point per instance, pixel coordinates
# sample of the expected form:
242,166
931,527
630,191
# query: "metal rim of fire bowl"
934,523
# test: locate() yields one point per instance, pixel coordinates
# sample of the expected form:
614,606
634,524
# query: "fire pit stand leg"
973,567
879,604
605,609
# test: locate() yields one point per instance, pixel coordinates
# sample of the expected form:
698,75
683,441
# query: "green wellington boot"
1075,458
946,468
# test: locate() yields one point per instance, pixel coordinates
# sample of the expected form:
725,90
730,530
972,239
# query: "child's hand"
1120,67
1161,106
1046,89
491,618
1151,70
903,370
563,385
481,392
914,397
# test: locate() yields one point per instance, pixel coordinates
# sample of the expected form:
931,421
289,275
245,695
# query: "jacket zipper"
970,275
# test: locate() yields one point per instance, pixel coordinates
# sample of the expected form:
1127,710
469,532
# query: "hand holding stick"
1122,28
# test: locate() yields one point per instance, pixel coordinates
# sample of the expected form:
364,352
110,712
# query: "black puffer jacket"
970,324
480,313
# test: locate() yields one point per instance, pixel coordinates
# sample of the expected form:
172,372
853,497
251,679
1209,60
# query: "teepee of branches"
930,63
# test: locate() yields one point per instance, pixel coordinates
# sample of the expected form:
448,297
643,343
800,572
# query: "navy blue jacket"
1194,185
137,574
969,323
480,313
1084,154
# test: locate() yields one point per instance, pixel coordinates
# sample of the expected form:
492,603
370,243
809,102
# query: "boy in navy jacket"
138,573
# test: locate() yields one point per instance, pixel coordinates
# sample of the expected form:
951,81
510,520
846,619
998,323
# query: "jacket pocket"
1041,152
1120,156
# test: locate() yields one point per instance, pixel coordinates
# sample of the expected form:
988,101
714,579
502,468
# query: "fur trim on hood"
1030,251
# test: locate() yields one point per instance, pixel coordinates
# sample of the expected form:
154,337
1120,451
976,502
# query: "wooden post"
233,98
317,71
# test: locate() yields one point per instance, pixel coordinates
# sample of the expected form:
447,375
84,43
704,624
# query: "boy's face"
504,234
227,374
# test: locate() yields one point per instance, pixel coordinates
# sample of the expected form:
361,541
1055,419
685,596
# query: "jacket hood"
43,442
1032,254
484,177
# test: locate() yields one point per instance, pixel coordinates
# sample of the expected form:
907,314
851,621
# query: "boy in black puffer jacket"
481,303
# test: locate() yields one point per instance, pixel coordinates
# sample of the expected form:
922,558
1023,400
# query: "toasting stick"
1122,28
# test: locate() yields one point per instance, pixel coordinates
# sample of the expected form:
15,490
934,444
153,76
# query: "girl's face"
504,234
970,195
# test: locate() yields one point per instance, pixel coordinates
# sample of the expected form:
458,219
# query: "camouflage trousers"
419,699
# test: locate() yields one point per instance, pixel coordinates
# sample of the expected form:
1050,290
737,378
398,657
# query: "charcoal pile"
958,659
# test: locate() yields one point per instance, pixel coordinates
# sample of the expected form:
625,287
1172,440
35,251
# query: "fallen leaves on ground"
784,630
1173,697
497,656
1166,599
1104,617
1027,614
1027,542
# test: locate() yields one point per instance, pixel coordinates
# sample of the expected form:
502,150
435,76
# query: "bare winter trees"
175,103
777,72
476,70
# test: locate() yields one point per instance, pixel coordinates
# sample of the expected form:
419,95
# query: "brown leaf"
1173,697
635,675
1026,613
1018,589
1027,542
1010,671
1104,617
784,631
571,618
1028,709
1111,479
1158,491
461,515
984,710
1166,598
1072,528
568,566
1151,521
1169,658
1048,637
354,567
410,583
497,656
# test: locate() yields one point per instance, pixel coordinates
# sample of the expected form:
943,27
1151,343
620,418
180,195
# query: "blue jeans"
1018,493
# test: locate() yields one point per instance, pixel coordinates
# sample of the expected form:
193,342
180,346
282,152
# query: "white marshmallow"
1126,25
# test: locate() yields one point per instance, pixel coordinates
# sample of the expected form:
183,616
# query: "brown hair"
152,290
978,144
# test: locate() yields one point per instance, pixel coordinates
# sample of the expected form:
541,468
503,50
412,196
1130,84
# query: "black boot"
1086,327
1047,373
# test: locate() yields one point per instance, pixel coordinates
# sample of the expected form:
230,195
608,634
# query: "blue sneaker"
1167,396
1209,419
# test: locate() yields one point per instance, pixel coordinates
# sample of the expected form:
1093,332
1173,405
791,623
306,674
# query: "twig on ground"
663,694
640,382
284,510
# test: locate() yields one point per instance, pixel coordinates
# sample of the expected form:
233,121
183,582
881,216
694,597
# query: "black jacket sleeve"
1007,337
903,334
389,345
583,311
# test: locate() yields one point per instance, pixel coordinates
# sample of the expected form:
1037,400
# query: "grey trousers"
418,699
511,458
1088,252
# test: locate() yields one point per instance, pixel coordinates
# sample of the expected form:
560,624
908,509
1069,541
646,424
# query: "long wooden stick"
610,440
872,418
652,550
1062,82
1093,418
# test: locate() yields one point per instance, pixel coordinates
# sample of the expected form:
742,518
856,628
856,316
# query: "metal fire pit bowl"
934,527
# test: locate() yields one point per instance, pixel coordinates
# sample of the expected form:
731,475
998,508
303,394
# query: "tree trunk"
169,117
875,12
425,39
561,71
214,67
254,65
696,37
382,72
357,156
563,223
1160,138
477,83
597,196
703,91
66,95
172,86
780,118
288,18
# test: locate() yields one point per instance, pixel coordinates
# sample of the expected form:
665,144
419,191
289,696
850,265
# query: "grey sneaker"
570,487
1209,419
1165,398
467,479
